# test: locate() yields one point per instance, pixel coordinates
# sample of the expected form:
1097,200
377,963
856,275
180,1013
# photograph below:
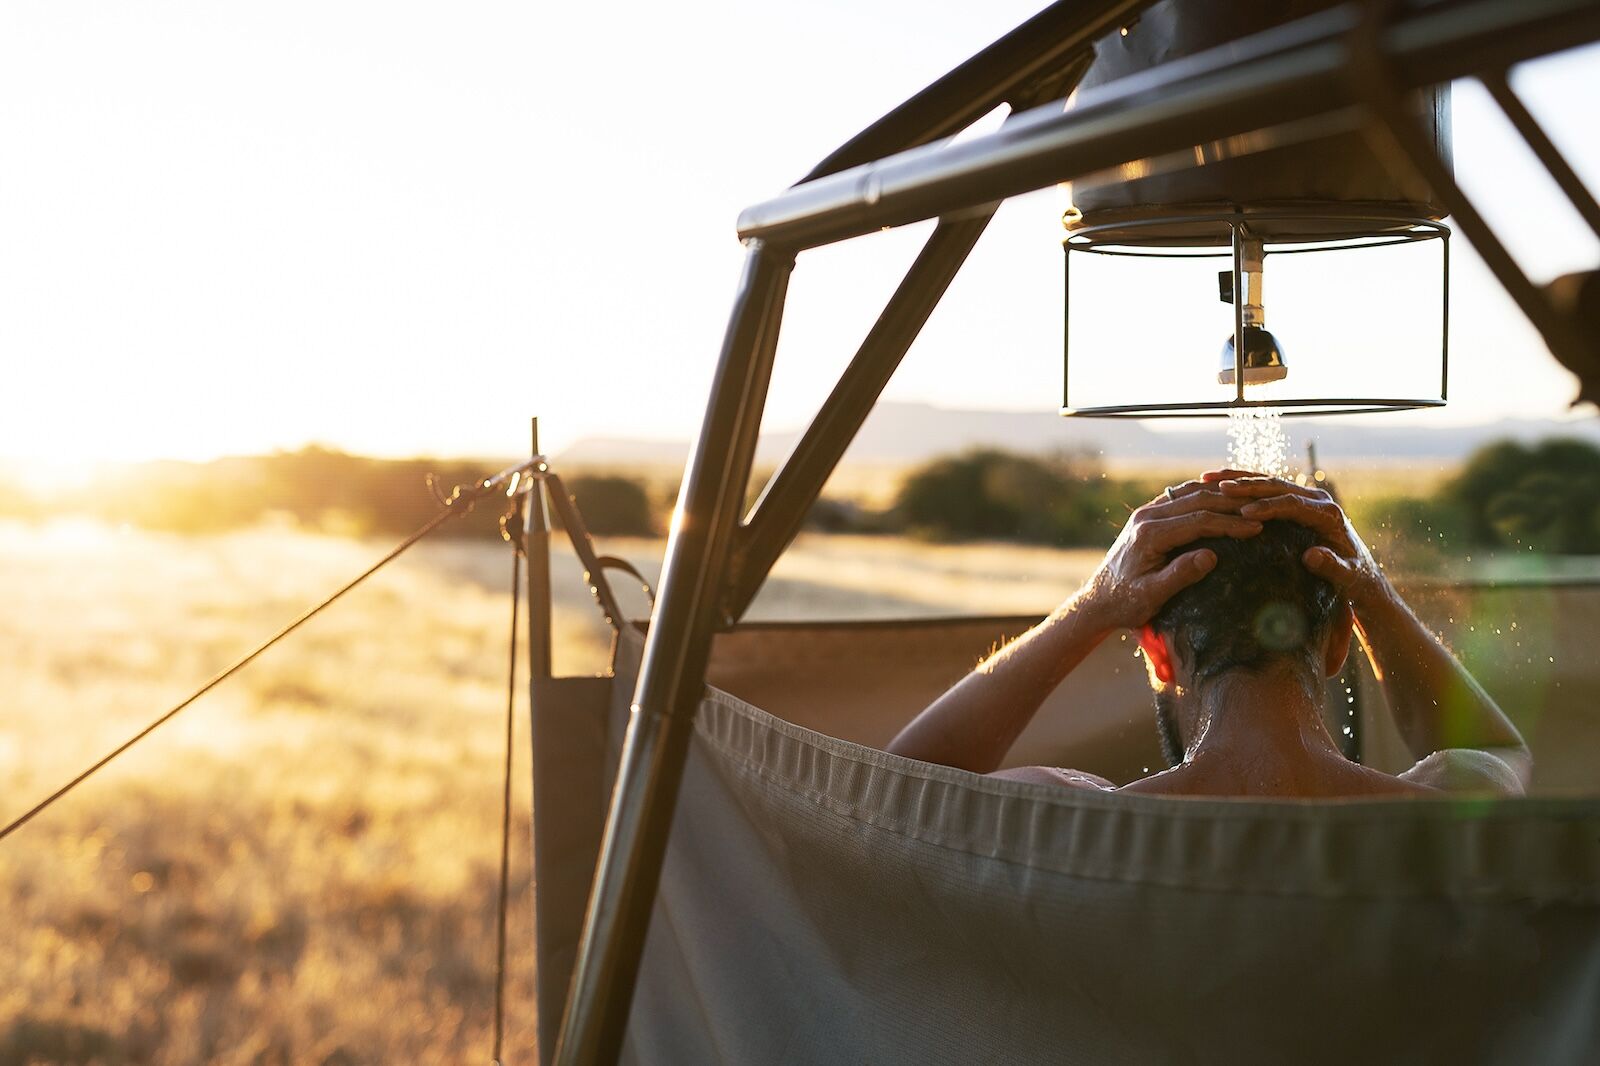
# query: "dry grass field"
301,867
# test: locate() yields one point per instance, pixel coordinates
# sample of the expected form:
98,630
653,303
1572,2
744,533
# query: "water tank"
1327,175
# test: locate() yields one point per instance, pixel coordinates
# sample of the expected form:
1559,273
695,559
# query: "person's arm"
1438,706
974,724
1436,703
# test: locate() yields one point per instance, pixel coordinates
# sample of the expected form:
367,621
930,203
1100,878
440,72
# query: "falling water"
1257,441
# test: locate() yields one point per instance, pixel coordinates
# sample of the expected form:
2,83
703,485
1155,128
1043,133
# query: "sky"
401,228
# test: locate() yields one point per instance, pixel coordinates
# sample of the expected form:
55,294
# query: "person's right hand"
1136,578
1342,559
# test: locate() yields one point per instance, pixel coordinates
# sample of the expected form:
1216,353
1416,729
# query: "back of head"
1259,604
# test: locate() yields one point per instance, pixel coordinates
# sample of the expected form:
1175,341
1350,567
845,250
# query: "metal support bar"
782,508
1544,148
1037,49
536,548
672,674
1444,322
1236,237
1286,75
536,580
1398,135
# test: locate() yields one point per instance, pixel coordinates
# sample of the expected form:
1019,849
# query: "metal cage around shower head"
1299,231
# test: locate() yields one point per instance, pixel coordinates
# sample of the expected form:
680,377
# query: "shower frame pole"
784,503
536,552
672,672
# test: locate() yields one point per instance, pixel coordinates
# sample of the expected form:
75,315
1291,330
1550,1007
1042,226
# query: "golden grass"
299,868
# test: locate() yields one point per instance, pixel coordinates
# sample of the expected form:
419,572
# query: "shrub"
1545,496
989,494
1410,533
829,515
612,506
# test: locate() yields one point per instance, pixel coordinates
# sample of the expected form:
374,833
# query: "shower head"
1263,358
1314,189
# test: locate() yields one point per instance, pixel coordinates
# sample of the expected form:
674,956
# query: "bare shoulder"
1466,770
1337,780
1053,775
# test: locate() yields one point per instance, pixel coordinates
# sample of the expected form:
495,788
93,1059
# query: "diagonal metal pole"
788,497
1397,134
1039,48
1544,148
672,674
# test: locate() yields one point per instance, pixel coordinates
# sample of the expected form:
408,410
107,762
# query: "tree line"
323,489
1543,497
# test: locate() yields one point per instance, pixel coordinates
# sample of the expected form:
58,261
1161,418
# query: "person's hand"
1136,578
1342,559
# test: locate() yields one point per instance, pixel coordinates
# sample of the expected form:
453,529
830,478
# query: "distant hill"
903,433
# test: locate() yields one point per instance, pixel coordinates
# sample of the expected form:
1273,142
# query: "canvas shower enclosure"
725,885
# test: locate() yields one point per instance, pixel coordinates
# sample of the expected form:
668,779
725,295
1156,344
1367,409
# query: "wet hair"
1167,728
1258,605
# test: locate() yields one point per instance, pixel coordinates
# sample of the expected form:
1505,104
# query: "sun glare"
51,477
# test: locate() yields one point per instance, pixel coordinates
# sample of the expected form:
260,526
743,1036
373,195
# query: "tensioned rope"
459,502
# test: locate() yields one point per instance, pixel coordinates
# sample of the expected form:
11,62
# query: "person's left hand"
1136,578
1341,557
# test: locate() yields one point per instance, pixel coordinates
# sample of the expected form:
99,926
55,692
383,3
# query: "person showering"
1245,592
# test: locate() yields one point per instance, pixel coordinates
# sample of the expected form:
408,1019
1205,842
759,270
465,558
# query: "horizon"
1582,425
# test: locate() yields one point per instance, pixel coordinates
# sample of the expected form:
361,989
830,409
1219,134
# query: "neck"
1270,720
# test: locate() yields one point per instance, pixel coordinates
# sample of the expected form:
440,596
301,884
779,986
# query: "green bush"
612,506
989,494
829,515
1410,533
1544,496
